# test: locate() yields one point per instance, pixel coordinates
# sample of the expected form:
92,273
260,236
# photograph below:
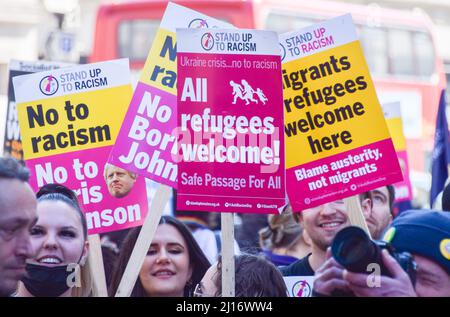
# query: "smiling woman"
59,242
173,266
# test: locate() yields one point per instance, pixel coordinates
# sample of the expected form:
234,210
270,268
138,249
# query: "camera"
354,250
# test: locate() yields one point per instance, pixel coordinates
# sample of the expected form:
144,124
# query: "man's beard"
322,244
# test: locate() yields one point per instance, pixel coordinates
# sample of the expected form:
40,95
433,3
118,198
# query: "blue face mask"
45,281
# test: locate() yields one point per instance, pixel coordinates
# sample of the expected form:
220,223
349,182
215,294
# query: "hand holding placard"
147,142
143,242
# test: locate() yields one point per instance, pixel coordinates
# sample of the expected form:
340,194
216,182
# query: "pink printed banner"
69,120
393,114
146,143
342,175
231,147
332,116
109,204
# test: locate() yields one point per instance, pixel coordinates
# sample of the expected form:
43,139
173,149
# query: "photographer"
426,235
322,223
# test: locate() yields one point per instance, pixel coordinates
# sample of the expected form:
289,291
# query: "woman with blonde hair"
284,241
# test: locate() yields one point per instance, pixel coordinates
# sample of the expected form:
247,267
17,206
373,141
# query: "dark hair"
366,195
391,192
255,277
197,259
247,235
11,168
57,192
391,198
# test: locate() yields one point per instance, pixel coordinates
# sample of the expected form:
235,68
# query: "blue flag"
441,152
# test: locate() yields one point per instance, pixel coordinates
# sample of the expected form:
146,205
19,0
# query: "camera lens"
353,249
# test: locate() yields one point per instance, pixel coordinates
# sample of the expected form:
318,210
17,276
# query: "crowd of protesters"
44,248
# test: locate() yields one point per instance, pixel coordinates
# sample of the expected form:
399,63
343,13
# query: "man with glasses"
382,210
202,291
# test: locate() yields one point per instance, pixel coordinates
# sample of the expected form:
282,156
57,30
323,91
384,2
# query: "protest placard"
392,113
143,242
299,286
12,145
69,121
337,141
147,141
230,117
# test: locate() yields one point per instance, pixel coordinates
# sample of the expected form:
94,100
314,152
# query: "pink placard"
231,143
147,138
342,175
146,141
83,172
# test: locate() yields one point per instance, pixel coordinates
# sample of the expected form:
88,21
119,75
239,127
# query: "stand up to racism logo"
49,85
207,41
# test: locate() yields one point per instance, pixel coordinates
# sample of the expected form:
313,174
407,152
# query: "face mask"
44,281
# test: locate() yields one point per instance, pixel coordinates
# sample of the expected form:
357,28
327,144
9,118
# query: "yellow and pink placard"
69,120
392,113
337,141
147,140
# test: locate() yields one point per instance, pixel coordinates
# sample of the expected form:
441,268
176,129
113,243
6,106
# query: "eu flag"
441,152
